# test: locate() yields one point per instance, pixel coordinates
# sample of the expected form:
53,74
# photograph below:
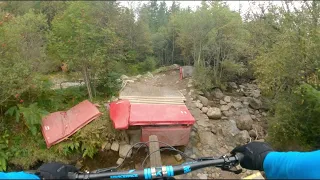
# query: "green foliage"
148,65
108,84
296,122
4,154
232,69
203,78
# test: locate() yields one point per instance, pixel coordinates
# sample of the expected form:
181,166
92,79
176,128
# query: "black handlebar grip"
239,156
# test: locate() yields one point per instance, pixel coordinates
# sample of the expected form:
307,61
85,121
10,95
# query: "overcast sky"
234,5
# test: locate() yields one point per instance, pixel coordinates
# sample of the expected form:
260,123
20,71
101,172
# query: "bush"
108,84
295,124
203,78
231,70
149,64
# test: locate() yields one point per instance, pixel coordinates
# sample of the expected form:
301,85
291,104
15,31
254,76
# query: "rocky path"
223,120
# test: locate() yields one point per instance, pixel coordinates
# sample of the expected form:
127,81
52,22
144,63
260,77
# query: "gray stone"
264,114
222,102
199,105
208,138
242,137
253,117
115,146
244,122
178,157
256,93
124,150
149,74
217,93
259,130
124,77
120,161
214,113
187,71
202,176
233,85
139,76
203,100
244,99
252,133
251,111
189,85
237,105
227,113
225,107
106,146
242,111
211,103
227,99
130,81
255,103
204,109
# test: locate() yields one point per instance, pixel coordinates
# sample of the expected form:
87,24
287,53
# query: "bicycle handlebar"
164,171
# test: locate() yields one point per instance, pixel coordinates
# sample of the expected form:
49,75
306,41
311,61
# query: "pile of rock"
123,148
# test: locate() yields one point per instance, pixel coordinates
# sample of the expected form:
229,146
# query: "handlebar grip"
239,156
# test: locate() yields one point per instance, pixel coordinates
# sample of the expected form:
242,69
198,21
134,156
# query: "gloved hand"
55,171
254,154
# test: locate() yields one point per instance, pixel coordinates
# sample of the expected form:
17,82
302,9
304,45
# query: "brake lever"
229,166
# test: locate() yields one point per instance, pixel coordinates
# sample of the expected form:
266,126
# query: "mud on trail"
208,137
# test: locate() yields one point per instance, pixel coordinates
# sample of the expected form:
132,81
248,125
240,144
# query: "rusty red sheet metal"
60,125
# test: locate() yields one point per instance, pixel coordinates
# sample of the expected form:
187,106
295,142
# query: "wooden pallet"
179,100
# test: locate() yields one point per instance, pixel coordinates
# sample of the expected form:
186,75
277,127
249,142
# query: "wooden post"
155,158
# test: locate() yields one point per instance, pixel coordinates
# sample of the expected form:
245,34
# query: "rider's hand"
254,154
55,171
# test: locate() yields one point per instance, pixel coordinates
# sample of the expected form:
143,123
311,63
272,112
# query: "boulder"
233,85
204,109
124,150
222,102
124,77
115,146
252,134
178,157
106,146
119,161
259,131
217,93
242,137
227,99
228,113
225,107
253,117
256,93
255,103
237,105
203,100
199,105
211,103
208,138
214,113
245,122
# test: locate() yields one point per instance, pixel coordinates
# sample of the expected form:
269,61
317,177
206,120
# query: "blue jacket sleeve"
289,165
17,175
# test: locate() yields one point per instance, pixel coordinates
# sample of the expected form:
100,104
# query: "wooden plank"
156,100
154,97
141,102
155,158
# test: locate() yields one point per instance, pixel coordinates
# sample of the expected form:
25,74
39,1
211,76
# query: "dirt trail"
203,141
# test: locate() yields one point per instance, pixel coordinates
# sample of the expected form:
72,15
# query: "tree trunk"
172,56
87,81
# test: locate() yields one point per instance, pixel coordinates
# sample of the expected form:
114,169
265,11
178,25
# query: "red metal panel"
120,113
159,114
173,135
58,126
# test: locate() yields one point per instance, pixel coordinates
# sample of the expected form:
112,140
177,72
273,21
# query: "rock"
255,103
201,93
256,93
225,107
120,161
217,93
258,129
124,150
264,114
260,140
242,111
208,138
233,85
106,146
139,76
115,146
189,85
242,137
224,118
227,113
211,103
251,111
79,164
253,117
252,133
214,113
244,99
227,99
203,100
199,105
237,105
204,109
202,176
242,86
124,77
130,81
244,122
222,102
178,157
149,74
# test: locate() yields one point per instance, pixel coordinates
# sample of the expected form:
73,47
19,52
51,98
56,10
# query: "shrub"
148,65
203,78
